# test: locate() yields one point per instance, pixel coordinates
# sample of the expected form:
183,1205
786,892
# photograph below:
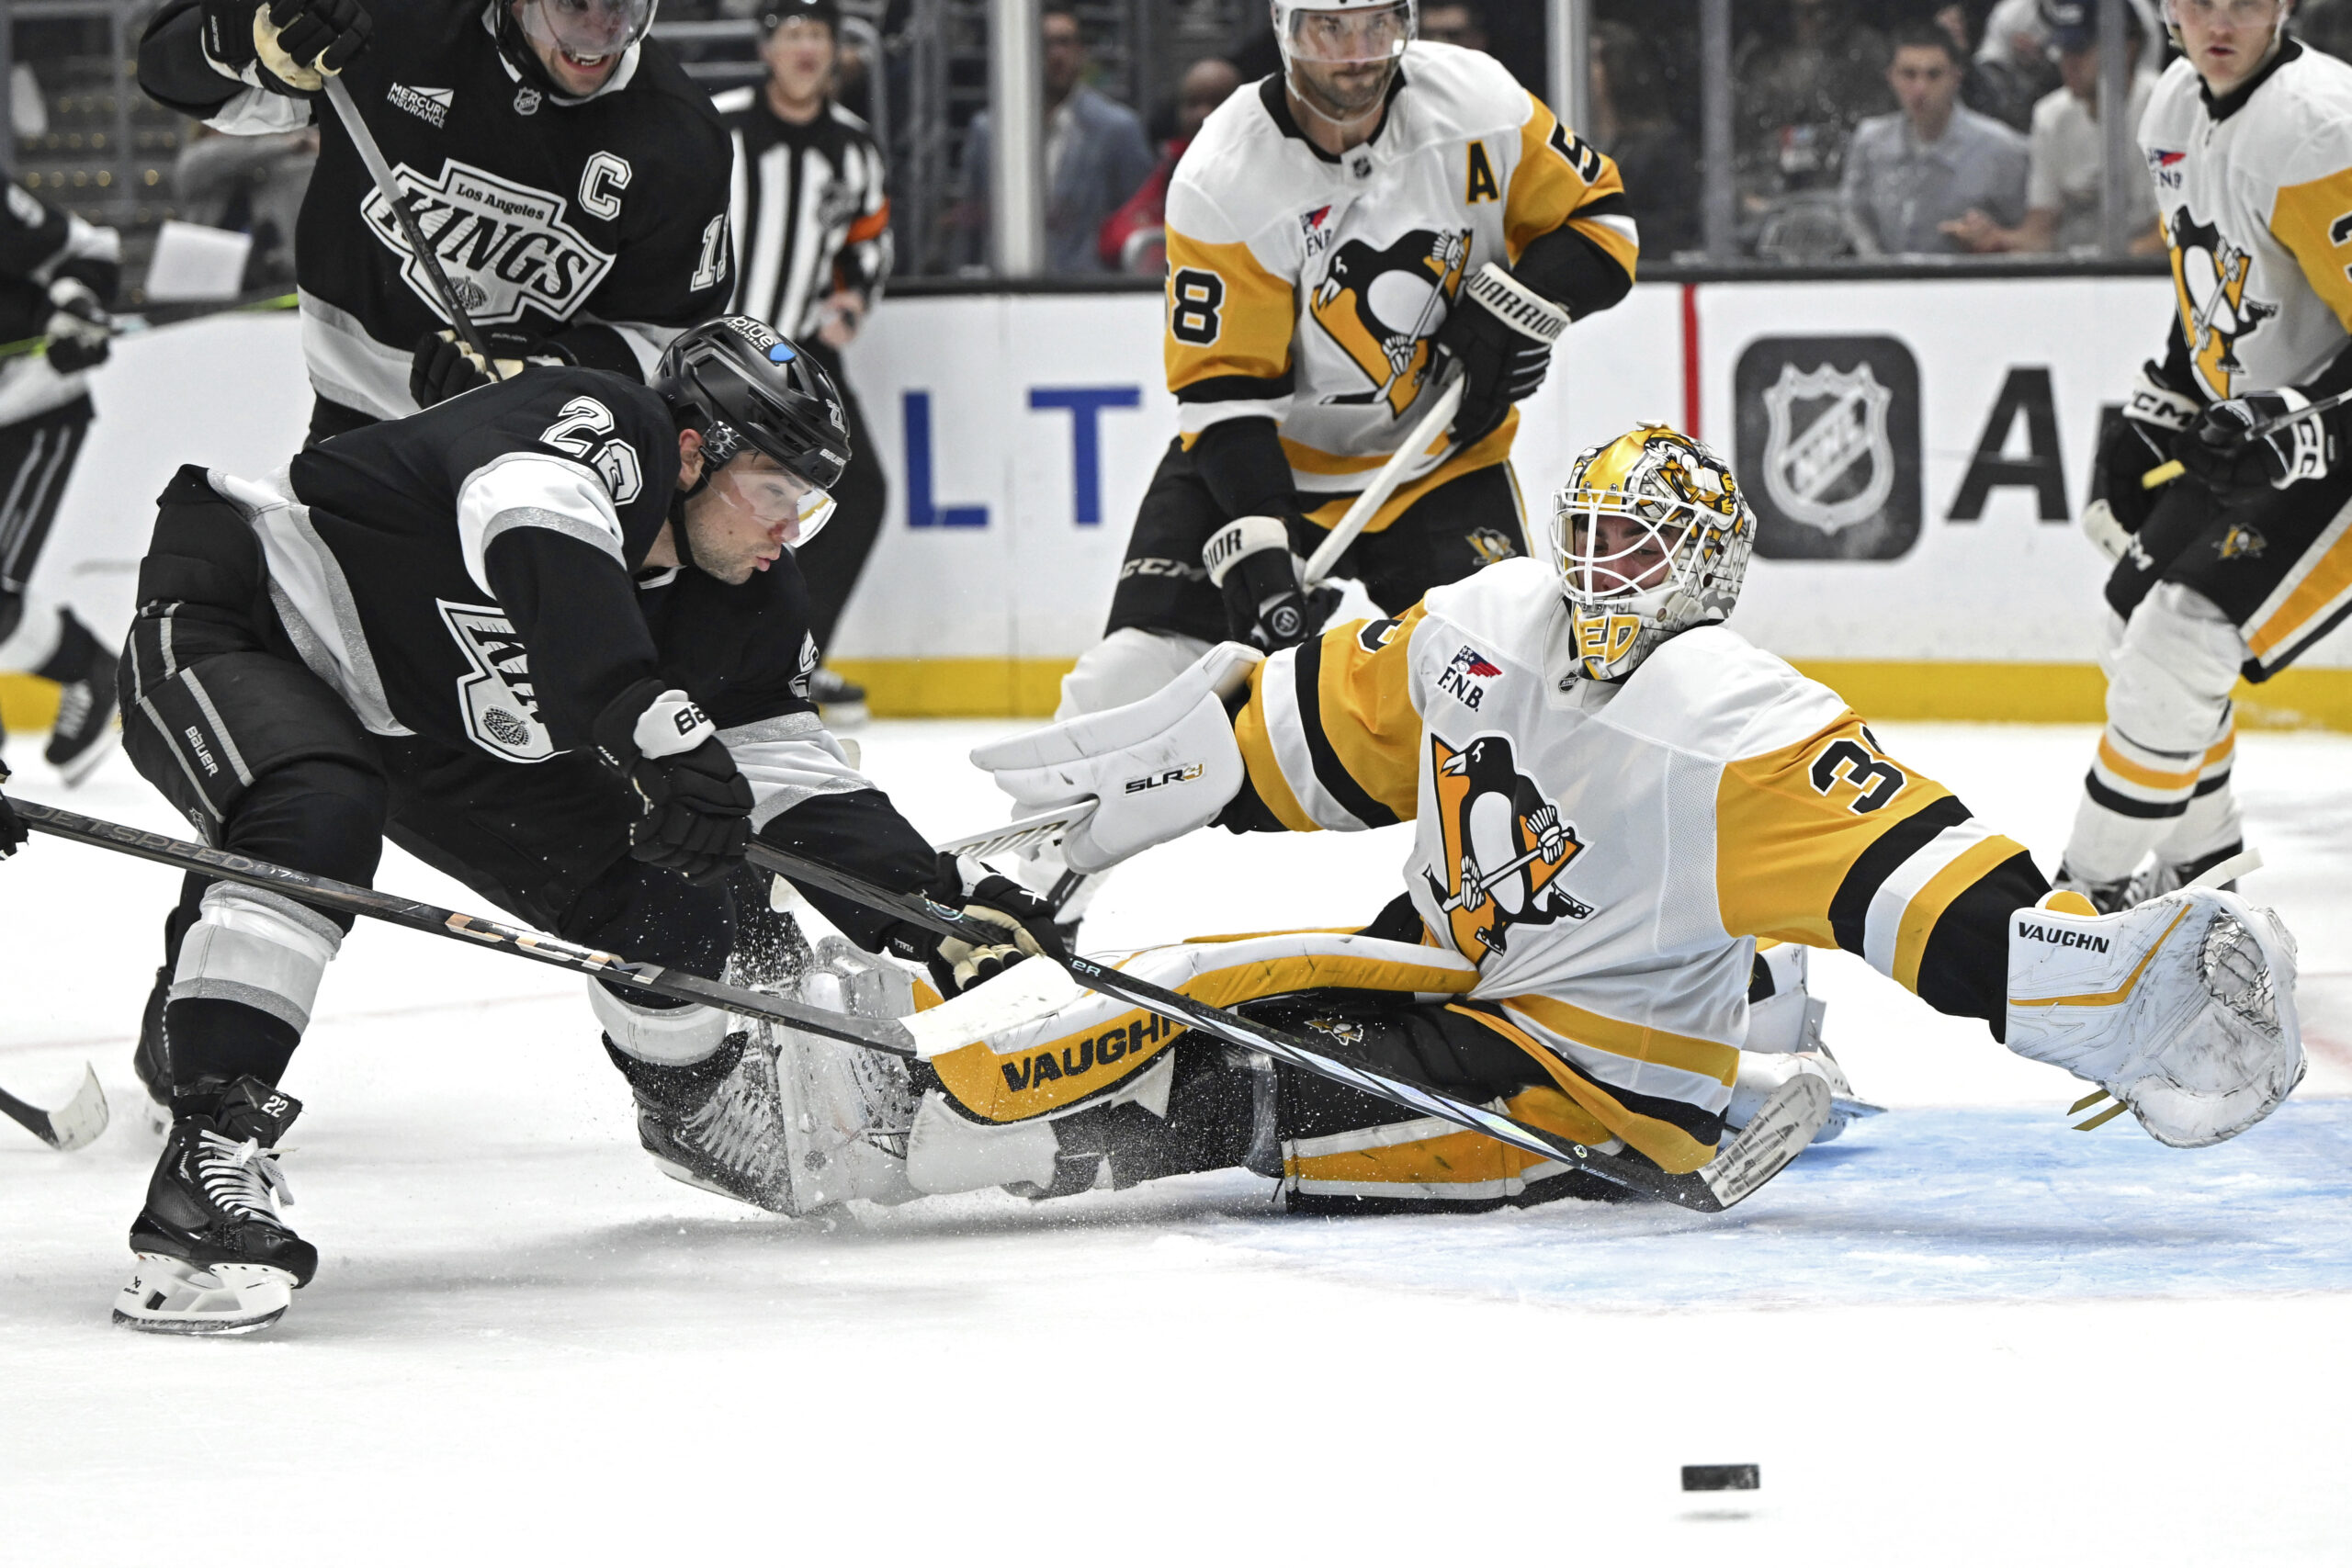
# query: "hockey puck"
1722,1478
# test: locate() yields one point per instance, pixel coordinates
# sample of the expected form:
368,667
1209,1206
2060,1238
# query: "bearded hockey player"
570,176
57,273
548,639
1615,800
2238,567
1379,216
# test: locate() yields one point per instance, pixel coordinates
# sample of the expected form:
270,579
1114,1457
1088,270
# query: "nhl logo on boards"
1829,428
506,247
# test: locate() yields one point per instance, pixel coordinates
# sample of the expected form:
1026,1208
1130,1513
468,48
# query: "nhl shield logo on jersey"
506,247
1505,847
500,706
2208,277
1380,307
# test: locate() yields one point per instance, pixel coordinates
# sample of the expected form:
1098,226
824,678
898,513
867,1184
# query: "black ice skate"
840,701
716,1124
213,1255
85,731
150,1059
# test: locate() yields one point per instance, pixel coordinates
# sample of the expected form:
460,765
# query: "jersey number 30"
584,429
1194,297
1878,780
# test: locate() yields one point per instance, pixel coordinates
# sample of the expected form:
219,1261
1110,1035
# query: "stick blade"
1022,833
1788,1121
76,1125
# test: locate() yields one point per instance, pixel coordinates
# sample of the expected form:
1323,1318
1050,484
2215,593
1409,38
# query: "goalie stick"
76,1123
1779,1132
326,893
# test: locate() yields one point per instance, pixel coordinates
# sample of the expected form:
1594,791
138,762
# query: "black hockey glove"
697,816
443,366
1500,334
956,964
1250,564
288,46
2136,443
2220,449
80,331
12,831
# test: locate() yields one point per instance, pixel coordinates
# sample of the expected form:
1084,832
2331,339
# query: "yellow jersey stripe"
1673,1149
2304,219
1707,1058
1927,907
1557,171
2124,767
1495,448
1228,315
1251,731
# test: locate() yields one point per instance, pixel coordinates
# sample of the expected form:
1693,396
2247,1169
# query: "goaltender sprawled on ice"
1616,801
549,637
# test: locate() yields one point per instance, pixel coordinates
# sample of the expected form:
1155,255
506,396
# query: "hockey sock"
212,1037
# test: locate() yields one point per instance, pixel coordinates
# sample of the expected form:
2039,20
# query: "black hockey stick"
381,173
167,315
1777,1134
326,893
77,1122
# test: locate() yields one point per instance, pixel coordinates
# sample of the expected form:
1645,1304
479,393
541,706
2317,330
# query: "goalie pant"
1084,1084
599,224
2216,587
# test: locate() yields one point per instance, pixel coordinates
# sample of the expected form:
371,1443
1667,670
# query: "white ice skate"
171,1295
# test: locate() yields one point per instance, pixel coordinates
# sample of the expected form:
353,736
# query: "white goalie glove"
2183,1009
1154,770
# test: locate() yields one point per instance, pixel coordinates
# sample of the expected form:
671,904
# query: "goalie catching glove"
1500,334
290,46
1154,770
697,816
2182,1008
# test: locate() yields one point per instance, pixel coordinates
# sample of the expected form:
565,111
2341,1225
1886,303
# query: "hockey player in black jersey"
548,638
569,176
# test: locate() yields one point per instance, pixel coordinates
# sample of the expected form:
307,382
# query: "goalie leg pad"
2182,1008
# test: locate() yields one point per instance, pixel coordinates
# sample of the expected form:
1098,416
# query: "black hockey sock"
215,1038
71,661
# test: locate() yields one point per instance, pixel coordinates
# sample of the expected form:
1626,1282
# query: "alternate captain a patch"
1505,847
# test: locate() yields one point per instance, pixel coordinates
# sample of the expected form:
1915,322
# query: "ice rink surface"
1962,1333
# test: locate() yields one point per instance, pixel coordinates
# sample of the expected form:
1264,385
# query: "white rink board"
1032,581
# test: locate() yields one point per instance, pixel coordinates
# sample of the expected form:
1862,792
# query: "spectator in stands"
1630,123
1456,22
251,184
1096,156
1801,83
1134,239
2066,185
2011,71
1910,175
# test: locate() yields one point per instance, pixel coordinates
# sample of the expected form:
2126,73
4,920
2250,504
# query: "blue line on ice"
1983,1205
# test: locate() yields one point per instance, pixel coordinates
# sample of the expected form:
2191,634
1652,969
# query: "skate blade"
171,1295
691,1177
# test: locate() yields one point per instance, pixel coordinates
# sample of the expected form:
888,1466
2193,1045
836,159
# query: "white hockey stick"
1386,482
1021,833
76,1122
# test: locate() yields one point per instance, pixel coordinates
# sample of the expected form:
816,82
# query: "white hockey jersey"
1306,288
2256,195
1607,855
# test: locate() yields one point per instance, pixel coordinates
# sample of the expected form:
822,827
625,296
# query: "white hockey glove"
2183,1009
79,330
1156,768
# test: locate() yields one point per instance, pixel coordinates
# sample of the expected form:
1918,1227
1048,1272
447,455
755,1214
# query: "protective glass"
776,495
587,28
1359,36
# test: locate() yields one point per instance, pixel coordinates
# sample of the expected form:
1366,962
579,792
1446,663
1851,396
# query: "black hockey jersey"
39,244
810,210
600,223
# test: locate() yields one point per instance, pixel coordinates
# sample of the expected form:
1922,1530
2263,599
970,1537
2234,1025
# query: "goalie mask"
1651,536
1340,57
742,386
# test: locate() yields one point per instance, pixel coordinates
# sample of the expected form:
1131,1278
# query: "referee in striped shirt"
811,224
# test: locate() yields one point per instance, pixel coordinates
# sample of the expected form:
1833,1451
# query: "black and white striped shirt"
810,212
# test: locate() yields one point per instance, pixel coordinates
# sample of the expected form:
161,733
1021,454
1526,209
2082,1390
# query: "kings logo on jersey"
506,247
1381,306
1505,847
502,711
2208,277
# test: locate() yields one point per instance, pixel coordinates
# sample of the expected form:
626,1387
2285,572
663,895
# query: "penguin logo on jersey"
1380,307
2208,277
507,248
1504,848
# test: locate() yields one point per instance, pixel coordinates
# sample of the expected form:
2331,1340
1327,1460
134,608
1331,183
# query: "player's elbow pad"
1154,770
1570,270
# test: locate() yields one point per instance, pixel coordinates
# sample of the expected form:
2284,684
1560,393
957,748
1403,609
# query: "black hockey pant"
265,759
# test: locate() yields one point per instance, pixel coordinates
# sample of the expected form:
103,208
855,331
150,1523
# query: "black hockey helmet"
741,384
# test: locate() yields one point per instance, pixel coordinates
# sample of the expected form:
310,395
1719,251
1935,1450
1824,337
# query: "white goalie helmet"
1651,536
1344,34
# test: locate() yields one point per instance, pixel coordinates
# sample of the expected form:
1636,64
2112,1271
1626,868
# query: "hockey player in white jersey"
2238,567
1616,799
1376,219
